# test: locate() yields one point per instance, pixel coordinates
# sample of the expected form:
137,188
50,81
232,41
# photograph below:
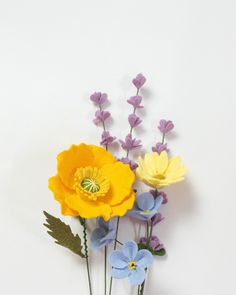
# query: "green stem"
86,256
105,270
115,245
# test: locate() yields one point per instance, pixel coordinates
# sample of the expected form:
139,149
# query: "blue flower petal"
97,234
158,202
137,276
103,224
117,259
130,250
136,214
120,273
144,258
111,235
145,201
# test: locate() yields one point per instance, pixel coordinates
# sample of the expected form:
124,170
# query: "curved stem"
86,256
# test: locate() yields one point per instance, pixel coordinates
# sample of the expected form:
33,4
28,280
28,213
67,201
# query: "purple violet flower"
133,165
165,126
157,218
107,138
99,98
157,193
134,120
160,147
135,101
101,116
130,143
139,81
154,243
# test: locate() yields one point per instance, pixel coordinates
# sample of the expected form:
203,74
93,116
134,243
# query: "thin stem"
115,245
119,242
105,270
163,138
103,125
86,256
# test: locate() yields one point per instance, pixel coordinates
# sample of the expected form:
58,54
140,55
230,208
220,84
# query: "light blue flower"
103,235
131,263
145,206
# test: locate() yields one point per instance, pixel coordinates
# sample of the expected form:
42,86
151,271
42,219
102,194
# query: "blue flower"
145,206
131,263
103,235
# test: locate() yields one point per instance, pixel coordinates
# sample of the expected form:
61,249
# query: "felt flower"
166,126
133,165
135,101
154,243
107,138
101,116
145,206
139,81
157,193
134,120
159,171
103,235
99,98
157,218
130,143
160,147
90,183
131,263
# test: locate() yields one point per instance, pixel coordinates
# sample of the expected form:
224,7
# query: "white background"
53,55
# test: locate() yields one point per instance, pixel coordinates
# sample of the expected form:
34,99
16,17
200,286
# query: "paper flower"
103,235
158,171
160,147
131,263
130,143
145,206
154,243
166,126
135,101
90,182
139,81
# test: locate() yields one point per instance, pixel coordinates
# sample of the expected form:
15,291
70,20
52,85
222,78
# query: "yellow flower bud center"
146,211
90,183
132,265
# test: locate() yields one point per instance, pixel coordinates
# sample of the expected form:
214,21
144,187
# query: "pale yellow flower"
159,171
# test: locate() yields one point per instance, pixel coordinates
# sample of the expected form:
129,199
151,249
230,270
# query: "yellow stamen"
132,265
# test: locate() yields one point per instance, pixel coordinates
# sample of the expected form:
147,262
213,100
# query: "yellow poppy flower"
159,171
90,182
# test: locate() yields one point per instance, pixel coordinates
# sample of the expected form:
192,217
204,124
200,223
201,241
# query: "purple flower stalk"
157,193
133,165
101,116
99,98
135,101
157,218
165,126
107,138
130,143
160,147
134,120
139,81
154,243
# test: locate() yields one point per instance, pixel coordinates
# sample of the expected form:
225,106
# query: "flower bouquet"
92,183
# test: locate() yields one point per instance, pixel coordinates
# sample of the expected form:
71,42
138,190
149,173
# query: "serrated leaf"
63,235
160,252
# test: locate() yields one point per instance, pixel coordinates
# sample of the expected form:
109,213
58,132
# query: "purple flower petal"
133,165
165,126
135,101
101,116
130,143
99,98
134,120
157,218
107,138
139,81
160,147
154,243
157,193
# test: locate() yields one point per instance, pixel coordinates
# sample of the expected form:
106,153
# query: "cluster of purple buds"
99,99
165,126
154,243
131,143
133,165
157,193
157,218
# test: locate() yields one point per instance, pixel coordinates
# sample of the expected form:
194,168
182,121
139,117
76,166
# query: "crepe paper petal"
139,81
137,276
99,98
134,120
130,250
135,101
144,258
160,147
165,126
133,165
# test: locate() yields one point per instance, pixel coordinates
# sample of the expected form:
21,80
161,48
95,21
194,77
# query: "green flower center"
132,265
146,211
90,185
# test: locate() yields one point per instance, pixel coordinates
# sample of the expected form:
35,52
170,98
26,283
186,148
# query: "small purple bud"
133,165
130,143
107,138
101,116
166,126
135,101
154,243
160,147
134,120
139,81
157,193
99,98
157,218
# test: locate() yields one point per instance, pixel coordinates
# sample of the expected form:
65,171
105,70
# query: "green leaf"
63,235
160,252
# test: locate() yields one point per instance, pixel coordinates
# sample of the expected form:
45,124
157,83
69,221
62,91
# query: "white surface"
53,54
